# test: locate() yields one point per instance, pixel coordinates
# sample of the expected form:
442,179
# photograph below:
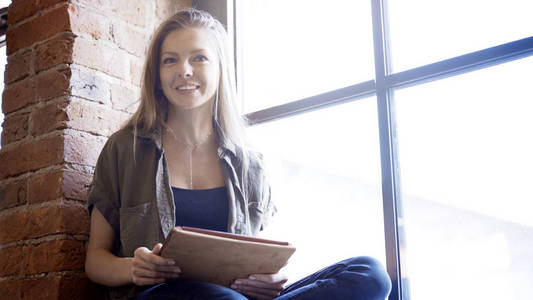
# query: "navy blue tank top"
206,209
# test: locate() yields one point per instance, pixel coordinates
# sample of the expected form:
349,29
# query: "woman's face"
188,68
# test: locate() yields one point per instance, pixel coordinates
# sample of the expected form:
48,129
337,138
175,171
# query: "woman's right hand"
147,267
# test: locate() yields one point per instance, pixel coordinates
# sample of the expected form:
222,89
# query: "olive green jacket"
135,197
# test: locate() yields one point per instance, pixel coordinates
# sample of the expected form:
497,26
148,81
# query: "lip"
187,86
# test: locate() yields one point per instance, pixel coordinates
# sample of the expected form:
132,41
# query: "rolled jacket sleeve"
104,190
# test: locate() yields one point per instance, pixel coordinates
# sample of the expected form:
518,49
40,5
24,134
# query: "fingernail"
233,286
252,278
171,262
238,282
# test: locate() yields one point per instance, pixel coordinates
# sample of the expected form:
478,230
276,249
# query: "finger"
140,264
272,278
146,255
157,248
146,273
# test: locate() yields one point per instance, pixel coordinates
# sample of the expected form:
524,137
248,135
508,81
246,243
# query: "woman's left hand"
261,286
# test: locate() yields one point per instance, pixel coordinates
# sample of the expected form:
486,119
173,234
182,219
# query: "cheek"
164,77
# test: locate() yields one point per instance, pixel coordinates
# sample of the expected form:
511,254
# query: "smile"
187,87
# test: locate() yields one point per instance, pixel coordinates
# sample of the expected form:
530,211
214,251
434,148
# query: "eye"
200,58
168,60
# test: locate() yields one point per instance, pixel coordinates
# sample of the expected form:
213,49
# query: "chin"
189,105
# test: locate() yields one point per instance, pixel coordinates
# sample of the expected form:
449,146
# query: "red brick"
48,118
15,128
56,287
75,287
97,56
58,183
31,156
38,29
18,66
11,289
77,148
71,219
136,71
45,187
10,261
83,149
128,38
54,256
51,84
13,227
54,52
90,86
131,11
46,287
20,10
43,4
75,219
95,118
22,225
88,21
165,9
18,95
124,99
76,185
102,5
13,193
44,221
81,115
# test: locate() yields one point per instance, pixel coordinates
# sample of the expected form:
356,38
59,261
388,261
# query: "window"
324,168
405,126
324,165
308,50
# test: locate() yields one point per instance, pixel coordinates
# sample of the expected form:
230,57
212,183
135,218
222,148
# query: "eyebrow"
194,51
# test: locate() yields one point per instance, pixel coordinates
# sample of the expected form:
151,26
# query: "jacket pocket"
134,224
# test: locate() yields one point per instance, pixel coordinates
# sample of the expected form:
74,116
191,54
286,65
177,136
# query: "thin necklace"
190,148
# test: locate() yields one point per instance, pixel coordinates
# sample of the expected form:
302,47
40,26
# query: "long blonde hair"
152,110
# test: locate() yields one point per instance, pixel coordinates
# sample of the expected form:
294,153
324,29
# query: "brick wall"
71,79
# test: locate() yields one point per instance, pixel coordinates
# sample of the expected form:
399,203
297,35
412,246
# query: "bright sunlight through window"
465,207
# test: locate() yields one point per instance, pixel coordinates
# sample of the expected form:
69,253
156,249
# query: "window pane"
466,170
325,176
423,32
295,49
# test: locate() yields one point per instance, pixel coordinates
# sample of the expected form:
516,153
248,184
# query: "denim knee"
367,275
189,290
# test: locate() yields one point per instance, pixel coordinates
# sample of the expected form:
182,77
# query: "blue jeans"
361,278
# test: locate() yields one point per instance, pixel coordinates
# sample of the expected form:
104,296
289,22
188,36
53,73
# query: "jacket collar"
225,145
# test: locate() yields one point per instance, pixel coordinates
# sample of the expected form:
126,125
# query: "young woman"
182,160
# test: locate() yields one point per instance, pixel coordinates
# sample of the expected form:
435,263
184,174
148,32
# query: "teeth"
187,87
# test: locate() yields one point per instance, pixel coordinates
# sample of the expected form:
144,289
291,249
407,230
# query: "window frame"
382,87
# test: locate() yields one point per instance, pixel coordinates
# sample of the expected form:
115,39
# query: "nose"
185,70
